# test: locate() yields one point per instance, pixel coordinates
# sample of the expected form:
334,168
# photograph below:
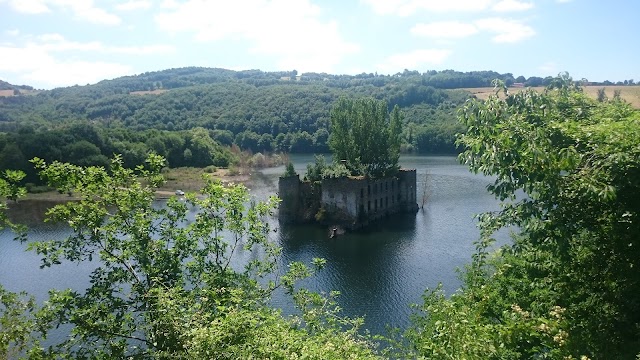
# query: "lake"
379,272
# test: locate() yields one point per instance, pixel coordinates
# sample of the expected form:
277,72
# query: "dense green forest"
255,110
165,112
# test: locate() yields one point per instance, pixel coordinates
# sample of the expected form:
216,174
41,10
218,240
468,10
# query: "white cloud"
18,60
169,4
134,5
417,59
512,5
57,43
77,72
507,31
29,6
45,61
50,37
444,30
37,67
12,32
83,10
289,30
410,7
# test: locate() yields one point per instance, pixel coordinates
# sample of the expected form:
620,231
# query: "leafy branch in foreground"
168,281
566,169
17,323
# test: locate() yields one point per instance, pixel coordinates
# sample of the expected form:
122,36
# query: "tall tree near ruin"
366,135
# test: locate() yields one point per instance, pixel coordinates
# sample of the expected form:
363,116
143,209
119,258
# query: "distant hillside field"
631,94
7,93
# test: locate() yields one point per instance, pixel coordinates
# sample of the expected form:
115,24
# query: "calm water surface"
379,272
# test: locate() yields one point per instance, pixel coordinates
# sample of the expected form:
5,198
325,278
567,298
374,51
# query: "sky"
54,43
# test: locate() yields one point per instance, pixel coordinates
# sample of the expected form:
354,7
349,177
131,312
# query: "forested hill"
177,112
7,86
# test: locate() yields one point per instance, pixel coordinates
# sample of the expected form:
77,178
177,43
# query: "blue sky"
51,43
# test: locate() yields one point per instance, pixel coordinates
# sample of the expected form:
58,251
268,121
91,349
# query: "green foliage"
11,189
11,184
166,285
365,135
16,320
254,110
565,167
321,215
205,151
265,334
16,323
289,170
335,170
315,170
602,95
448,328
321,170
616,95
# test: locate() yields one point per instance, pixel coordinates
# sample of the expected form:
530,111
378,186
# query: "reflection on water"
379,271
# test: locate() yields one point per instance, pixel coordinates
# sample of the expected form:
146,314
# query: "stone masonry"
351,202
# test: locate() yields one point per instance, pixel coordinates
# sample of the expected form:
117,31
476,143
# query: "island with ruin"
363,183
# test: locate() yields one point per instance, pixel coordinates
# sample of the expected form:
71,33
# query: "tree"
206,151
534,81
11,157
564,167
365,135
166,284
16,309
602,96
616,95
11,184
289,170
302,142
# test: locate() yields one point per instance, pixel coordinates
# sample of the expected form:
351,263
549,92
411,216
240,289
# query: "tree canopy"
258,111
366,136
566,168
166,284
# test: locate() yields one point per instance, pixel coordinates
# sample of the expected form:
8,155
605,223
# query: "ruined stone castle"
351,202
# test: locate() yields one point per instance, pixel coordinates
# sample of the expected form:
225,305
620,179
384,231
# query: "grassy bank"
190,179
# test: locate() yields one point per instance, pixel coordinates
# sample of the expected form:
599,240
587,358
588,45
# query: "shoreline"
185,179
32,208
